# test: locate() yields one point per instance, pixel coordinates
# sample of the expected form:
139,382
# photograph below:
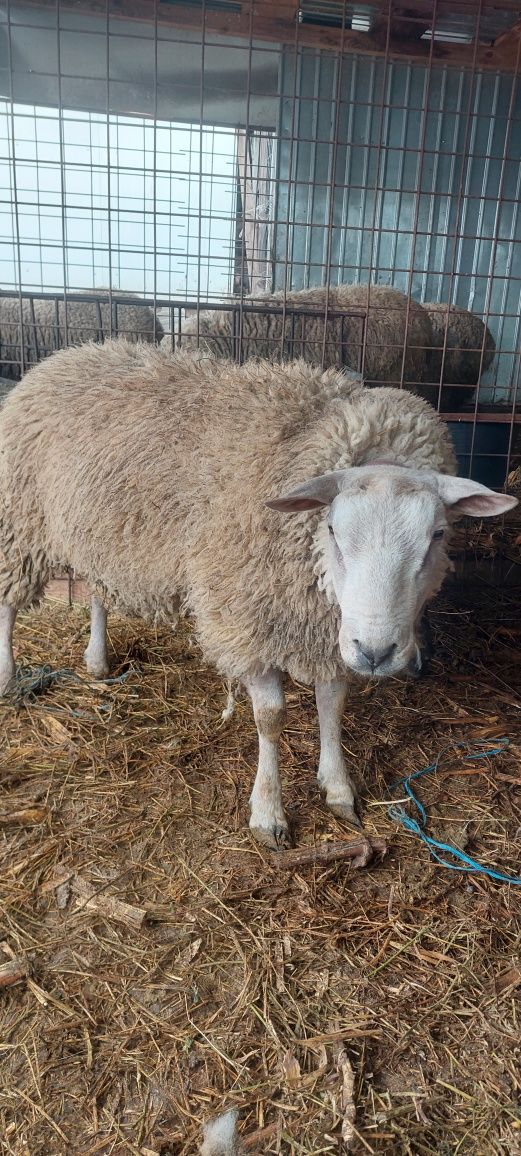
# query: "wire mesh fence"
167,167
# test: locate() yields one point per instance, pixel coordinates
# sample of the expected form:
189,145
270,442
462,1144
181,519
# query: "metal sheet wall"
405,175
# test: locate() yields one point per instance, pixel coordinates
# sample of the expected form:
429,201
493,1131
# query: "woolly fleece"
388,325
148,473
220,1136
40,335
467,336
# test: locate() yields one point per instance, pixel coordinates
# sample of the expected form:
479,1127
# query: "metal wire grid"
149,174
254,242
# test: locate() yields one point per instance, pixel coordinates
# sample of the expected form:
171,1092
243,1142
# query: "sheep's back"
88,452
389,346
469,344
112,455
46,326
151,473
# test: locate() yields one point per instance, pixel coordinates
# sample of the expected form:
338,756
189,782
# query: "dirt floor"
380,1003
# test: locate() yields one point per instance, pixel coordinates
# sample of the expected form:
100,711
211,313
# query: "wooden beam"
507,47
77,591
406,24
277,23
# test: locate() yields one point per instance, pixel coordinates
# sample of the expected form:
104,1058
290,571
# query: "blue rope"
418,826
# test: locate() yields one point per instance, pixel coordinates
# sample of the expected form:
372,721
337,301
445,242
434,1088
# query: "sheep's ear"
310,495
465,497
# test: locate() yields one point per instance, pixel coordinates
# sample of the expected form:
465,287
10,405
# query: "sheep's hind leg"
96,654
7,663
268,822
333,776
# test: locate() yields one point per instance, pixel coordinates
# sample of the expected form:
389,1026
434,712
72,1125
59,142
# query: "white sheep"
469,351
160,477
397,332
44,326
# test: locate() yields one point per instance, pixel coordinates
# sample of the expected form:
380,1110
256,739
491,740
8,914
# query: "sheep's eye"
331,530
437,535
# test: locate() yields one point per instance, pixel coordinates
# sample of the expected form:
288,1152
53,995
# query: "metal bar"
109,164
488,416
508,130
243,261
200,182
154,174
313,184
100,321
63,200
289,231
14,187
332,182
460,199
33,329
377,171
421,156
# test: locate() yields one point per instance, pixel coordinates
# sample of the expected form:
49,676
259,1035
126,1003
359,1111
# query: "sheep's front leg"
333,776
96,654
7,663
268,822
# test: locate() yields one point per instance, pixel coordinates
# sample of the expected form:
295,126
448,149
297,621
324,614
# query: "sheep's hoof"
98,669
277,838
346,812
7,679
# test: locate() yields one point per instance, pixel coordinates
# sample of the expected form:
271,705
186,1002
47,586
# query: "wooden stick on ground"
360,851
254,1141
25,817
99,901
14,971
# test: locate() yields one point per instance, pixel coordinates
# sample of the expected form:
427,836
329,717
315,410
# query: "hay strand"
394,989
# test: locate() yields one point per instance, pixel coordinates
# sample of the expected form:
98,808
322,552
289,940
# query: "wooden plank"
507,48
510,37
406,25
254,178
277,23
60,590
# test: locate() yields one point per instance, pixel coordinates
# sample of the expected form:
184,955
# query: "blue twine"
418,826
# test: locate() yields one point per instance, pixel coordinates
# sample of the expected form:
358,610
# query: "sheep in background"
469,351
152,500
394,323
6,385
44,330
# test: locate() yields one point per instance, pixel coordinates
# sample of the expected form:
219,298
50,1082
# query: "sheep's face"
386,555
384,546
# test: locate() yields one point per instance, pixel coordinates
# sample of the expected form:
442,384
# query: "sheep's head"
384,542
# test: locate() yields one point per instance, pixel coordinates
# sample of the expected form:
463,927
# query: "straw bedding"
381,1002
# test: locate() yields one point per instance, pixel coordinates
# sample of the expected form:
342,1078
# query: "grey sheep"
469,351
44,330
394,323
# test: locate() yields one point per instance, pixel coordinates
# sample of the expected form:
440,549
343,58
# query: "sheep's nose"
371,659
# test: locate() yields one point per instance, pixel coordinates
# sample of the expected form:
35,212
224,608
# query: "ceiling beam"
507,47
278,22
404,23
